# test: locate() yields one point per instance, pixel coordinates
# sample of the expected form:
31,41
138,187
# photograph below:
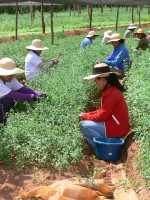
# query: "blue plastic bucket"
108,148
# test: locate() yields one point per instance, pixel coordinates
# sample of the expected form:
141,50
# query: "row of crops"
47,132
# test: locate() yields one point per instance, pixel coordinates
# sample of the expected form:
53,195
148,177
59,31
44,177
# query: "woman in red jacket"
112,118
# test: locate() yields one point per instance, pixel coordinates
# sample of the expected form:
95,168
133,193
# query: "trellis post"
91,17
42,15
139,12
52,28
117,18
16,19
132,14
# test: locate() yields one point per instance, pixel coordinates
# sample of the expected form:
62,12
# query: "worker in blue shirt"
88,40
119,59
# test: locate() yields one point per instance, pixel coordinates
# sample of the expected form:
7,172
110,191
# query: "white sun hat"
36,45
115,37
108,33
91,34
8,67
132,26
100,70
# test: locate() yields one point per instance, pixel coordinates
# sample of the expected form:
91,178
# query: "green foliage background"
47,132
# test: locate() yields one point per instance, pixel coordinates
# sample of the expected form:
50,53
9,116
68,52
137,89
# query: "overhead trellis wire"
87,2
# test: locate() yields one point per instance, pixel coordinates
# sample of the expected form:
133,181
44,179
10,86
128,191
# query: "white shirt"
7,87
32,61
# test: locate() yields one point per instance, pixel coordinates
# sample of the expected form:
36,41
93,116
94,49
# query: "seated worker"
130,31
119,58
11,89
106,37
143,41
33,62
112,118
88,41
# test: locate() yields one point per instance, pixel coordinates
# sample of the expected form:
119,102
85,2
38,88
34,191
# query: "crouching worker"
112,119
11,89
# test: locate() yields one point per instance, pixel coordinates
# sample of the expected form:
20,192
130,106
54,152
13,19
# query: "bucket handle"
131,131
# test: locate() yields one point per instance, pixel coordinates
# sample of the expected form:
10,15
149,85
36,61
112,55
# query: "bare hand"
80,115
55,61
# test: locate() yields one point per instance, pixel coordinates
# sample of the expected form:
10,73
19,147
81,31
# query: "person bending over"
11,89
112,118
119,59
88,41
33,62
143,43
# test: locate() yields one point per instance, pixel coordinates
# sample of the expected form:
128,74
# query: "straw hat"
91,34
108,33
140,31
132,26
115,37
8,67
100,70
36,45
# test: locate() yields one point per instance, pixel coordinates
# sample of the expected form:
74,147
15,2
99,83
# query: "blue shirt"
86,42
119,58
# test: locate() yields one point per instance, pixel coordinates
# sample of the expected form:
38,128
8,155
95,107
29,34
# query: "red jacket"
113,112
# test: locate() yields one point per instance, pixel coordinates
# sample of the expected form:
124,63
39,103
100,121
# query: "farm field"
44,140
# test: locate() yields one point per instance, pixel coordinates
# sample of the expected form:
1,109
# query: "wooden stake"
32,12
91,17
132,14
42,15
74,8
139,12
117,18
52,27
16,19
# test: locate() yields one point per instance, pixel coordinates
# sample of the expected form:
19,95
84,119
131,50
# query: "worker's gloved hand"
36,98
44,95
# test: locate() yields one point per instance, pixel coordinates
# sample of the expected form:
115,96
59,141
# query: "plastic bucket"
108,148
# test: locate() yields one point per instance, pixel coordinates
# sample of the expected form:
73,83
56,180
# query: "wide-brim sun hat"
91,34
140,31
115,37
36,45
8,67
100,70
108,33
132,26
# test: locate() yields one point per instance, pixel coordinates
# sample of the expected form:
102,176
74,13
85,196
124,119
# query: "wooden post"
132,14
32,12
148,9
101,8
117,18
74,8
70,10
126,8
42,15
16,19
105,10
139,12
91,17
52,28
88,10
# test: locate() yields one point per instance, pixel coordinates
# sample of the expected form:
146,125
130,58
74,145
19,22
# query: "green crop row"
47,132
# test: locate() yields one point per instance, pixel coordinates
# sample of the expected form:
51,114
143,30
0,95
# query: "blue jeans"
92,129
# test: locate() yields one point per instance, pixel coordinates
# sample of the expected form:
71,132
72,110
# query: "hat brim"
36,48
114,40
6,72
140,33
91,35
93,77
133,27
